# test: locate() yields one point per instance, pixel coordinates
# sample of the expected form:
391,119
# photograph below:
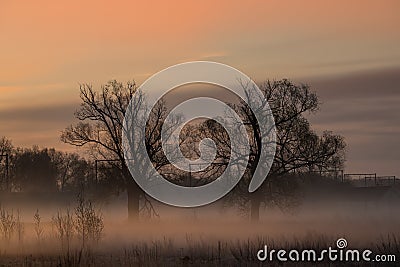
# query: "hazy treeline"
49,170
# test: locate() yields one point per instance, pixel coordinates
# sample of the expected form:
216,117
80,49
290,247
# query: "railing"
370,179
335,173
359,179
387,180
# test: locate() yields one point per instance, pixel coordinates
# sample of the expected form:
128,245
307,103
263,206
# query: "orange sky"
48,47
47,42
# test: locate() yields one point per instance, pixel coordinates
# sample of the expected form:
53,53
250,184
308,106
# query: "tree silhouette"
6,149
34,170
73,171
101,116
298,147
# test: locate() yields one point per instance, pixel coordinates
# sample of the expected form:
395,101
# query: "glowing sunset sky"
49,47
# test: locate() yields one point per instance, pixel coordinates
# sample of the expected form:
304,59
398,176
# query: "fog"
363,222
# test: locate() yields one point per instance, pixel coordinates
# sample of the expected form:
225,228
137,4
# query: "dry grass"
197,252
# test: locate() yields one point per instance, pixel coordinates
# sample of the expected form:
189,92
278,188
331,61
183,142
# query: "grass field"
225,241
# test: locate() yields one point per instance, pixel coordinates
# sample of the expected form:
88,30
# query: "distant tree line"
49,170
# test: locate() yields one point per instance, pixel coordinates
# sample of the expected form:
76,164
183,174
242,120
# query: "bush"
64,224
89,222
7,224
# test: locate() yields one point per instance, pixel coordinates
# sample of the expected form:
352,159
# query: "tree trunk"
133,192
133,201
255,206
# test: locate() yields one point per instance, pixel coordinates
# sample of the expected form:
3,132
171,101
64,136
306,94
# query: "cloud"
357,85
37,125
364,108
42,114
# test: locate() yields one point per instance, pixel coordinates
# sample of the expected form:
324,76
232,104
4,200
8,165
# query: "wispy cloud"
364,108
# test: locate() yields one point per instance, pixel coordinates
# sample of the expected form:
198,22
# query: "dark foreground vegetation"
167,252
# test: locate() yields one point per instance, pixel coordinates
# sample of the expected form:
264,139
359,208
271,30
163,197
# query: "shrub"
89,222
64,224
7,224
38,225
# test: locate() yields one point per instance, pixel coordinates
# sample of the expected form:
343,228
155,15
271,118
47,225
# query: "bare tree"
100,129
72,170
298,147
